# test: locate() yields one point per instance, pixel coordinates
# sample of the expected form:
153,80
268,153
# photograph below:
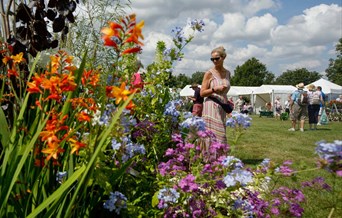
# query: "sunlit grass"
270,138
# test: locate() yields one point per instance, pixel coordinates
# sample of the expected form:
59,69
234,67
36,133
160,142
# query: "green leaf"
4,130
58,193
155,200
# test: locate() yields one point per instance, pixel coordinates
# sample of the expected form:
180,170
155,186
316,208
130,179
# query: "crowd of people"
306,104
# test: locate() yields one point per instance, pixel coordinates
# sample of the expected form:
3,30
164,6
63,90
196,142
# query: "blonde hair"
221,50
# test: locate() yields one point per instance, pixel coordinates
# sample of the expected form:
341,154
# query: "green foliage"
252,73
334,71
197,77
293,77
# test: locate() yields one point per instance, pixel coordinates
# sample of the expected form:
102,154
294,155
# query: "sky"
282,34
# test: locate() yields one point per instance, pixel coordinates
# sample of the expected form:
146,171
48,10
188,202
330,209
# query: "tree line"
255,73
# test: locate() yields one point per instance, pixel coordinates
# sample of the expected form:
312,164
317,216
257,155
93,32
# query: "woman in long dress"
216,83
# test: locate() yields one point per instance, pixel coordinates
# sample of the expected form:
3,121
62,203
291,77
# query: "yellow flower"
120,93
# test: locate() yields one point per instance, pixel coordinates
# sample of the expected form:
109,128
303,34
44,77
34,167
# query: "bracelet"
212,89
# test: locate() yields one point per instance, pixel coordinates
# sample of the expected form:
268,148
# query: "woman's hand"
221,88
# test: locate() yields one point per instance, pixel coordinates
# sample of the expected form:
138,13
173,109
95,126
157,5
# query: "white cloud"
246,28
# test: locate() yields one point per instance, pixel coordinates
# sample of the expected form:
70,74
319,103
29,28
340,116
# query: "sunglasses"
215,59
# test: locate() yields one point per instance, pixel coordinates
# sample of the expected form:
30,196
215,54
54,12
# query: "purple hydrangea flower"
188,184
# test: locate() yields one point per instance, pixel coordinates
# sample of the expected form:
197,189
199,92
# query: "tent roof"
275,88
187,91
328,87
241,90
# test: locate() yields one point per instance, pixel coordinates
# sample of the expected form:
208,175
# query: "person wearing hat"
298,107
197,100
315,100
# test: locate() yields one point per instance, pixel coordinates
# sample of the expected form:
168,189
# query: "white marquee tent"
259,96
268,93
332,90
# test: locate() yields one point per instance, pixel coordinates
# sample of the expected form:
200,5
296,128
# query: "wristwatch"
213,90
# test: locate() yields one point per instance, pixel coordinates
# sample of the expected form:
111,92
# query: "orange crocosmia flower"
18,58
112,30
120,93
136,33
109,42
6,59
109,90
52,151
50,84
39,105
54,96
69,59
12,72
70,68
67,83
76,145
130,105
83,116
33,88
132,50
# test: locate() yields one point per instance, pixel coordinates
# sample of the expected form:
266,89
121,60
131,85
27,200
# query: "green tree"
252,73
197,77
293,77
334,71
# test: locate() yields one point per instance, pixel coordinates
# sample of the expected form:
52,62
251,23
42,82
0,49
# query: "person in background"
197,101
315,99
321,106
239,104
287,104
268,106
278,107
216,83
298,112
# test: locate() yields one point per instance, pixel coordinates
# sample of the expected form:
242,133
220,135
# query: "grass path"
270,138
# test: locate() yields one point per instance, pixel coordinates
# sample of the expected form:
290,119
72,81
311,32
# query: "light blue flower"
61,176
231,161
197,25
116,202
115,144
168,195
194,123
229,180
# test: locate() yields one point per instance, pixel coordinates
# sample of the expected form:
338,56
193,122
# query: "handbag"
228,108
324,118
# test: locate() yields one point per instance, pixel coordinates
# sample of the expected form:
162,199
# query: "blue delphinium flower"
197,25
331,153
115,144
131,149
193,123
231,161
116,202
239,120
238,176
167,195
179,34
171,109
60,176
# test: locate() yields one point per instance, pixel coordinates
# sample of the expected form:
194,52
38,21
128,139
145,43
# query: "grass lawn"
270,138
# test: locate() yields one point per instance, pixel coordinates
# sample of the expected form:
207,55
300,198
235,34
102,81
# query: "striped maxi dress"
213,114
